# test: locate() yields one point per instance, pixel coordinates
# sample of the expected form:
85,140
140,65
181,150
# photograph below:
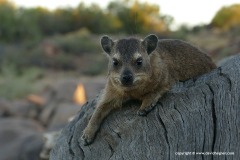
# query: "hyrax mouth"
127,78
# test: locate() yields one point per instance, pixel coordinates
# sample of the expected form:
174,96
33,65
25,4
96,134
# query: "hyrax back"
144,70
183,60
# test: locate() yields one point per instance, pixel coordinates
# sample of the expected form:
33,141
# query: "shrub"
76,43
15,84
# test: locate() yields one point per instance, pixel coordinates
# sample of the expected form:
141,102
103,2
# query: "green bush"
94,70
76,43
15,84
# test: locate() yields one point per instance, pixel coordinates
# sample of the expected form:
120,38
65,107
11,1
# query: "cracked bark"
200,115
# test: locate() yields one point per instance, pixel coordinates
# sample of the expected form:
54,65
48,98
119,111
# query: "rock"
226,59
61,116
197,116
50,140
24,109
4,108
48,112
20,139
94,86
62,94
64,90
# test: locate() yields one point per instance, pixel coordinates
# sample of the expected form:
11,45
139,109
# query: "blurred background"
51,61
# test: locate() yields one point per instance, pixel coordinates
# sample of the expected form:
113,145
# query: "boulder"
62,115
4,108
23,108
20,139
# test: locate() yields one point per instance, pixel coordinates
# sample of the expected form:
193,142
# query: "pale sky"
189,12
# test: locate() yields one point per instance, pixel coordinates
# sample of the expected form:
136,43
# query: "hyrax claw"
142,113
87,137
146,110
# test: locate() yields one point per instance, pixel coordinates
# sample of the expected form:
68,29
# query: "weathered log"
201,116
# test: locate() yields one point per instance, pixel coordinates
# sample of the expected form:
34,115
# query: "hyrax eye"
115,62
139,62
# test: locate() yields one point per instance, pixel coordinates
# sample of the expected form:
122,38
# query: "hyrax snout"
126,78
144,70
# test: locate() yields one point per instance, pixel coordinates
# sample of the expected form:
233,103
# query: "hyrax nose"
127,78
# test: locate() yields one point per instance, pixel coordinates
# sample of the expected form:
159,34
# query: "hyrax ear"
107,44
150,43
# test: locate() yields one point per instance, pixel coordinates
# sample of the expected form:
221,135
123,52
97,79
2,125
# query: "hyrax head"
129,60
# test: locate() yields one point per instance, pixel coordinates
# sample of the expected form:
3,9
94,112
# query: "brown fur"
163,63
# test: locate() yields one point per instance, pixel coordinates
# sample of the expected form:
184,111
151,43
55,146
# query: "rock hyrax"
144,70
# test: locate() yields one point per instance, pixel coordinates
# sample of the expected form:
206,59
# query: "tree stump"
197,119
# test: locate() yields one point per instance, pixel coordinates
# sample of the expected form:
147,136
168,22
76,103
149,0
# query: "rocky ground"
24,123
27,123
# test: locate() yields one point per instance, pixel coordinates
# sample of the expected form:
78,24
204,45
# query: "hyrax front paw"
88,136
146,110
